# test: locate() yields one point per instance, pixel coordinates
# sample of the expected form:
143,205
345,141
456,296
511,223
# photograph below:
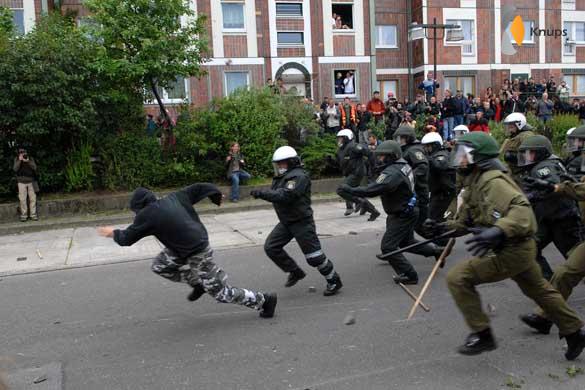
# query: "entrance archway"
295,77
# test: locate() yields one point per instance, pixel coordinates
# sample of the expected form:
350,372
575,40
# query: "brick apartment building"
298,40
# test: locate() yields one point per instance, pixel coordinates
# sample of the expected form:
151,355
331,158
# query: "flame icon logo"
517,30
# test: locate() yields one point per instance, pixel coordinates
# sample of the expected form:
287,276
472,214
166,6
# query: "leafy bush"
377,128
79,173
314,154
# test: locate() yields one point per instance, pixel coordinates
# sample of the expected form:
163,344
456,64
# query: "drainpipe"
374,78
409,52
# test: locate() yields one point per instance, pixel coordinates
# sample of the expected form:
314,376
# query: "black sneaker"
294,277
197,292
268,306
374,215
333,286
348,212
540,324
477,343
575,344
405,279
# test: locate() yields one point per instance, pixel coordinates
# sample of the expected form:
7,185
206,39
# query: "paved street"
118,326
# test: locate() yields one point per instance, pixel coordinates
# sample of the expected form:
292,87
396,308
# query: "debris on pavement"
491,309
20,258
40,379
349,318
352,233
39,254
312,289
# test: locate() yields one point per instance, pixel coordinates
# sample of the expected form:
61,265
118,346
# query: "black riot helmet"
533,150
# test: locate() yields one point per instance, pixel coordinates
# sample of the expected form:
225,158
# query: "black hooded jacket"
172,219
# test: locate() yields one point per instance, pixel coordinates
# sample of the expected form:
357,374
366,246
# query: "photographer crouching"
26,172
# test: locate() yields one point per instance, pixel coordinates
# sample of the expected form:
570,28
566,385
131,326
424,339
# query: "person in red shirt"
479,123
376,107
498,109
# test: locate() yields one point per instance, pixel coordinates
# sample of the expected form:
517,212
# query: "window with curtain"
18,20
576,83
386,36
388,86
463,83
233,16
235,80
289,9
467,44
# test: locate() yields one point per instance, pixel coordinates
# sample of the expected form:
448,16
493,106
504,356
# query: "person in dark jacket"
514,104
290,194
351,159
448,115
26,171
235,170
175,223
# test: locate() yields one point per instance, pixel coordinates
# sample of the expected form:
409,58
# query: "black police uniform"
395,185
290,195
559,219
352,158
414,154
442,178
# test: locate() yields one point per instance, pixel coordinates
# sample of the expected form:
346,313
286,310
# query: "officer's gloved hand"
485,239
432,228
216,198
533,183
255,193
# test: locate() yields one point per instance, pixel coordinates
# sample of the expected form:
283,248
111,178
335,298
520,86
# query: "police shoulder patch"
542,172
419,155
290,185
381,178
440,158
496,214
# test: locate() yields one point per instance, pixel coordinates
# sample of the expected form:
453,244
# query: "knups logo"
517,30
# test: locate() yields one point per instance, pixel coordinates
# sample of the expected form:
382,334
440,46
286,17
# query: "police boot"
575,344
357,207
197,292
348,212
405,279
294,277
477,343
541,324
333,285
268,306
374,214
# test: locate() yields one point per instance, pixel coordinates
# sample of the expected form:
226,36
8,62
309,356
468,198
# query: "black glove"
216,198
533,183
255,193
432,228
345,187
485,239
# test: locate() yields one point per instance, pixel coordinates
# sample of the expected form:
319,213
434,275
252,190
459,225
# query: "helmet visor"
459,133
462,156
510,128
575,144
526,157
401,139
280,168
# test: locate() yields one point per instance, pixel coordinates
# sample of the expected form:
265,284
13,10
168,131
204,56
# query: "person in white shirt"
348,84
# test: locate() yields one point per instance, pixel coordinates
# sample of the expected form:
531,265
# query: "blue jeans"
236,177
459,120
448,126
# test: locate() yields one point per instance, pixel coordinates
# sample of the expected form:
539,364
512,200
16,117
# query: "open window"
345,83
342,16
176,92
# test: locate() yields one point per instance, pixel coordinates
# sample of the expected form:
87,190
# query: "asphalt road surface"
122,327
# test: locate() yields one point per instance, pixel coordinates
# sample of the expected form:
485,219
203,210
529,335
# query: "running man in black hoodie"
187,257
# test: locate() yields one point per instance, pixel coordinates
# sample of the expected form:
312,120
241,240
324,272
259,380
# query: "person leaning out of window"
235,170
26,173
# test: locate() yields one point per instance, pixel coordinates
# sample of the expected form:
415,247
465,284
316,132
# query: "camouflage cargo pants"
200,269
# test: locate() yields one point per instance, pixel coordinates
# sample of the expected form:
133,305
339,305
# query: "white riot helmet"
285,153
570,131
432,142
460,130
514,122
347,136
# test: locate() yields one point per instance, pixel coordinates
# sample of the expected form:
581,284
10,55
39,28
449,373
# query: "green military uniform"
574,164
501,218
509,152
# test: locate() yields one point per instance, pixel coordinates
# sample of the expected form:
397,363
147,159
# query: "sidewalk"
81,246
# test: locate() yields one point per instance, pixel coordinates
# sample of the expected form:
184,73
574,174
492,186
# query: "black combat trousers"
305,233
565,233
352,181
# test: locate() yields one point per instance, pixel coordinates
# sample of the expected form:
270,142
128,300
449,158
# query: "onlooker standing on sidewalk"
545,107
26,172
332,118
363,119
514,104
348,115
376,107
235,170
460,108
582,111
448,112
564,92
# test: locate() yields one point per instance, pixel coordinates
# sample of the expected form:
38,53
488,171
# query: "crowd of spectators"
543,99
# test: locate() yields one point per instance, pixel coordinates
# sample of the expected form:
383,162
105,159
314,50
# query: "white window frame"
165,94
568,5
355,85
302,44
463,43
23,18
379,46
234,30
573,31
571,84
342,31
384,92
531,41
301,16
458,86
225,93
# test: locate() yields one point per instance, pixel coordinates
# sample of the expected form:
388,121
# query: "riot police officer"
290,195
503,225
460,130
441,176
575,163
351,158
558,218
414,154
517,130
396,186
